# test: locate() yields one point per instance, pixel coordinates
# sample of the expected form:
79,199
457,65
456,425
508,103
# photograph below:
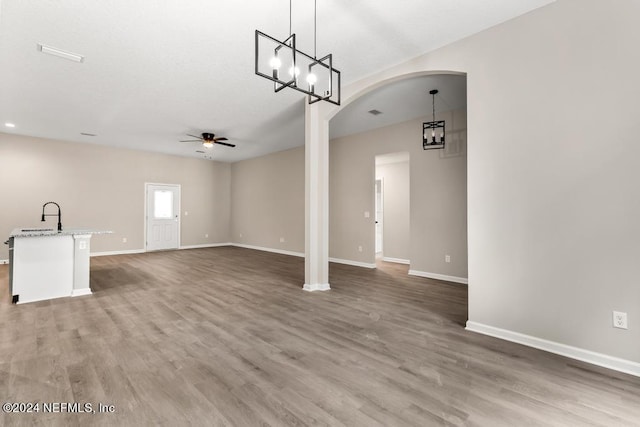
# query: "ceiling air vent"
375,112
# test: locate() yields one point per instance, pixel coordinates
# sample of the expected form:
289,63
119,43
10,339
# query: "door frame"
375,217
146,216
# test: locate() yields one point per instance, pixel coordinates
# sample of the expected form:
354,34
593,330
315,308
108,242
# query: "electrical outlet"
367,214
447,258
241,235
359,248
282,240
124,240
186,213
206,236
620,320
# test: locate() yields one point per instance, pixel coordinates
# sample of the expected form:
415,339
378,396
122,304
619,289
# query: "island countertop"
46,264
45,232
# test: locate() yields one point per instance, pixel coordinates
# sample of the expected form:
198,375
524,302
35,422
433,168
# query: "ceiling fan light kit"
208,139
287,66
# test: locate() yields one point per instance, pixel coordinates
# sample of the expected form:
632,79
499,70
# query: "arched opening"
386,119
437,244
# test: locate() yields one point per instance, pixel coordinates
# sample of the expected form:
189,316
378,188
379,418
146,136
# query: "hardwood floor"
226,336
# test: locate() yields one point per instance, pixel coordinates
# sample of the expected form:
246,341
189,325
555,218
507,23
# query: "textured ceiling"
400,101
157,70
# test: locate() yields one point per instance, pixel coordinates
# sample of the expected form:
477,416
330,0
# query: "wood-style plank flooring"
225,336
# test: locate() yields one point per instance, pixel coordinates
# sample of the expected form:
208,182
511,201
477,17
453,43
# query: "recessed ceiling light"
60,53
10,125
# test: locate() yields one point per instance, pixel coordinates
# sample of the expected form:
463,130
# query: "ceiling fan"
208,139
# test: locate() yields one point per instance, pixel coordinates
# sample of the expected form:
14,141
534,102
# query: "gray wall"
268,197
396,231
553,194
102,187
268,201
554,235
437,196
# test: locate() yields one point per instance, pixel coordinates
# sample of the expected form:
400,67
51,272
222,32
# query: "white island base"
47,264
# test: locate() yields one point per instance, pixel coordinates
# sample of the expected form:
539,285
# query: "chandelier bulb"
275,63
294,71
311,79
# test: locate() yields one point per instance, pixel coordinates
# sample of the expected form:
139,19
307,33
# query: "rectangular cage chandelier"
433,132
287,66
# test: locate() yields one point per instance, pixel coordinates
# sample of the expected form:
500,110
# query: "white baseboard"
437,276
316,287
599,359
206,245
354,263
141,251
126,252
4,261
277,251
80,292
301,254
396,260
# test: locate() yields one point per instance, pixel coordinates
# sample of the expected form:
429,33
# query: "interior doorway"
392,204
162,217
379,217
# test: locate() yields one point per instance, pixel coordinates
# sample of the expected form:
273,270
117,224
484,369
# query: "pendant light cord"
315,25
290,18
433,103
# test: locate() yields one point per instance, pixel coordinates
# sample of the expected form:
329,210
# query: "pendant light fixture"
285,65
433,132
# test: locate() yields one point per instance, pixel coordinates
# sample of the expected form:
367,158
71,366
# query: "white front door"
163,216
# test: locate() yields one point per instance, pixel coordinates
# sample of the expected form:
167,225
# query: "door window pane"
162,204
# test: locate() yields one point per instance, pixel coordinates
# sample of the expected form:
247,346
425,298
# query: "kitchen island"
46,264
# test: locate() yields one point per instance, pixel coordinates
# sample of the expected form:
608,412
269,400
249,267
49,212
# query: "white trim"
125,252
261,248
599,359
206,245
354,263
396,260
4,261
316,287
437,276
381,219
80,292
81,236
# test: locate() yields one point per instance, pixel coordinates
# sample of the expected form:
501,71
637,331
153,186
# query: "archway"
317,176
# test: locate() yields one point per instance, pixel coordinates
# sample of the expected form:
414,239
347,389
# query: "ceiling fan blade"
224,143
200,151
222,138
194,136
191,140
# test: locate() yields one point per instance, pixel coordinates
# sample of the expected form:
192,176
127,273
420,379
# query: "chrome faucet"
59,214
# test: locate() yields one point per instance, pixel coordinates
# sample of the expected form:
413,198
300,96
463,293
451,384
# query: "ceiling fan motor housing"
208,136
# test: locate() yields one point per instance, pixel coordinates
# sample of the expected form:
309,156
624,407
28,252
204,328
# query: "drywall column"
316,208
